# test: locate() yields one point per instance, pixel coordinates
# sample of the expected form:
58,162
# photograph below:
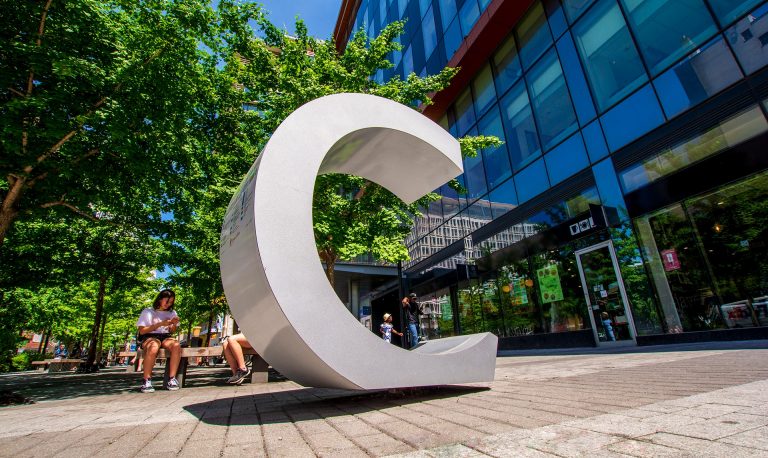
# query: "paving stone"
755,438
645,449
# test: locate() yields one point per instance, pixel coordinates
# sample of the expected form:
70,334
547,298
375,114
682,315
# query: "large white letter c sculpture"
273,280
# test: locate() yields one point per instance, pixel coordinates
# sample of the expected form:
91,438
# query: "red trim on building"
345,22
494,24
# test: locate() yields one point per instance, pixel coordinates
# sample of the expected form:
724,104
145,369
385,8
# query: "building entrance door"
606,298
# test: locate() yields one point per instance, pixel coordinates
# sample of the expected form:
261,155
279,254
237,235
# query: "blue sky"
319,15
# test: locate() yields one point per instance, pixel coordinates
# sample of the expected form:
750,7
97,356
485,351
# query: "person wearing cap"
411,309
387,329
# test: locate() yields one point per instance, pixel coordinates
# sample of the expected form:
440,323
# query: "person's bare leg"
236,345
231,360
174,348
150,347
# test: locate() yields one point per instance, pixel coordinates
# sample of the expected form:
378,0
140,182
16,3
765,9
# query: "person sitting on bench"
233,352
156,325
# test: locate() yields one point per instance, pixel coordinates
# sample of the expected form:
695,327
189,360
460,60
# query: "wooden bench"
259,367
56,365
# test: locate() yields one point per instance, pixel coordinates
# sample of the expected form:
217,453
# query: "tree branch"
53,149
43,175
40,29
14,91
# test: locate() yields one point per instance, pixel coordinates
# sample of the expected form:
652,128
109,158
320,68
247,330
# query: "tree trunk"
329,258
45,345
210,323
101,337
96,323
9,209
40,347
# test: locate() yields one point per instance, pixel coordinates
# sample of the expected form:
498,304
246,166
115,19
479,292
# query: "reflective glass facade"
597,103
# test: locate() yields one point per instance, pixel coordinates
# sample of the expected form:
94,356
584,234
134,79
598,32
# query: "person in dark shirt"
411,309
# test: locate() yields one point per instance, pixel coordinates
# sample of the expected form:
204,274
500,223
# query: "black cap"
413,295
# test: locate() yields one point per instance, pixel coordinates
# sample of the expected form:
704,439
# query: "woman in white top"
156,325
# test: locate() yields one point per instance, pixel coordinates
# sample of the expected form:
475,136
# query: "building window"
703,74
751,52
575,8
482,87
668,29
531,181
468,16
633,117
533,35
507,64
728,133
522,140
728,10
568,158
611,61
497,167
551,102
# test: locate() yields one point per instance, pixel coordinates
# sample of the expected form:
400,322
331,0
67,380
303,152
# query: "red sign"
669,259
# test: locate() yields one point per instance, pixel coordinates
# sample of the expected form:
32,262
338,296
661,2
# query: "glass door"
604,291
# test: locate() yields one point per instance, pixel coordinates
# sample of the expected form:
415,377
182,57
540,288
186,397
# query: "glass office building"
629,201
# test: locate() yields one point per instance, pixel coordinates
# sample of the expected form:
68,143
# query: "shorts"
161,337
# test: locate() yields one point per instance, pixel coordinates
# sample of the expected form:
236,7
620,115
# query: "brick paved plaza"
684,400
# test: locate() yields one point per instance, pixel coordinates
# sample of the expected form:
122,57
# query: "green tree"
103,105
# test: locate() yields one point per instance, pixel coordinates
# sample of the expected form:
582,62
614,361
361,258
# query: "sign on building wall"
549,284
670,260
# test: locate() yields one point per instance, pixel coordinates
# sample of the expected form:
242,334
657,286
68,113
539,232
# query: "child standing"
387,329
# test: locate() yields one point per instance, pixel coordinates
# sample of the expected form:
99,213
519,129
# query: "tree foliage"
127,124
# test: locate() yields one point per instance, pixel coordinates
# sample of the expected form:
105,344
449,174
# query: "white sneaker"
146,387
173,384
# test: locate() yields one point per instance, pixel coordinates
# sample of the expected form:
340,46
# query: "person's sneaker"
239,376
146,387
172,384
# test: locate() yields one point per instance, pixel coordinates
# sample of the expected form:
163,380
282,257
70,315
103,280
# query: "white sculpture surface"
274,282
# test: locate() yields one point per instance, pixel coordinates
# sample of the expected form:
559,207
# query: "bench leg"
181,374
259,370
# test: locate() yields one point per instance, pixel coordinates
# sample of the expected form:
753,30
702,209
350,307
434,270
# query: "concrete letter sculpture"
273,279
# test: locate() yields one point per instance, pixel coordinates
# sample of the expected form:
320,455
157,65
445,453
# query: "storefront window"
748,38
668,29
609,55
559,291
708,258
437,314
469,308
517,300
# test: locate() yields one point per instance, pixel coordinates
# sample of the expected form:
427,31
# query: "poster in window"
549,284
